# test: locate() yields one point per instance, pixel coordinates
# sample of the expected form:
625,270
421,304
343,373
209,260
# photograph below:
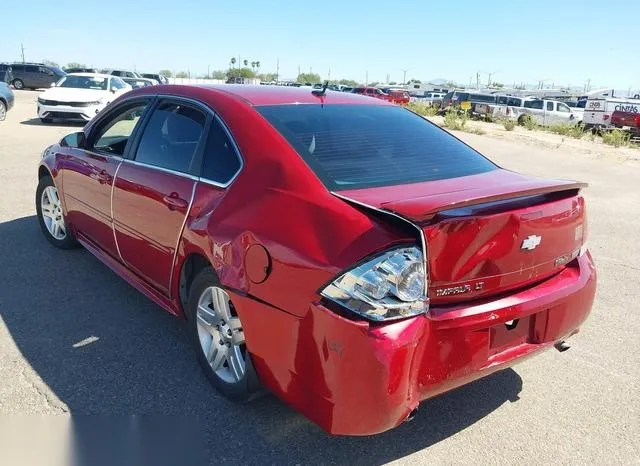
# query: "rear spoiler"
422,209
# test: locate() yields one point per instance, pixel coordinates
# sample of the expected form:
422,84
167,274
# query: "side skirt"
129,276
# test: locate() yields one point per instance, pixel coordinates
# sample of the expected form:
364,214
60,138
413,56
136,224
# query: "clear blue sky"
562,41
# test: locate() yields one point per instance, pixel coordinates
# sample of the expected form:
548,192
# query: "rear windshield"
362,146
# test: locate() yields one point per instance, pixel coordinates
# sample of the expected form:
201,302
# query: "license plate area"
510,334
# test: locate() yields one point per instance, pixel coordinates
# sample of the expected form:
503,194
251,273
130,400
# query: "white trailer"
598,110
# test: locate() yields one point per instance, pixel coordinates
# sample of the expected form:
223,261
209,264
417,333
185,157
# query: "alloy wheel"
18,84
221,336
52,213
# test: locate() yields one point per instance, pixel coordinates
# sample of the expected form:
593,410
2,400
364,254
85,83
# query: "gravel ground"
75,339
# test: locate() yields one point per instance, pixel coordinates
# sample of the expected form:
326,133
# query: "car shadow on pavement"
104,349
37,122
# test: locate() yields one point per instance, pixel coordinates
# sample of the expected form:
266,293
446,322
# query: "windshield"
361,146
84,82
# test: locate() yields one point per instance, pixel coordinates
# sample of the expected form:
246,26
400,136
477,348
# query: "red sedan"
341,251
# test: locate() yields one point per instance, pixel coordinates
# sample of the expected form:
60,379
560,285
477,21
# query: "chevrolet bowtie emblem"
531,242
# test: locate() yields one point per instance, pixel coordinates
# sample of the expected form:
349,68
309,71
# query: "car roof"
281,95
95,75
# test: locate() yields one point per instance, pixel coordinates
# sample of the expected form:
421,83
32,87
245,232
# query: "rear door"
153,191
32,76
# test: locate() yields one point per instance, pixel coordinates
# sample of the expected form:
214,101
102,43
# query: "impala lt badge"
531,242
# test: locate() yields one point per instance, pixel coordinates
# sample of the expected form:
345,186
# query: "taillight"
390,286
637,120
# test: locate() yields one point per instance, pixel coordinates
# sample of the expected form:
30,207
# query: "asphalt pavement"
76,339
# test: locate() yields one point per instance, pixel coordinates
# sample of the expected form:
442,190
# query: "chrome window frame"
214,118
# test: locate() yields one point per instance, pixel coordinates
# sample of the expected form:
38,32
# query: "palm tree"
258,65
233,61
253,64
246,62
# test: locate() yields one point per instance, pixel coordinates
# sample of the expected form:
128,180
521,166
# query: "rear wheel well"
191,267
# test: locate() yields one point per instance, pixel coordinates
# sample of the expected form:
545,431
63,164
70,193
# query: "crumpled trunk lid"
490,233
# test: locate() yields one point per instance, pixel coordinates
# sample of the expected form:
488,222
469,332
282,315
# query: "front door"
89,174
153,192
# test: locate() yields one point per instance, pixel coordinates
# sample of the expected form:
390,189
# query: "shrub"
455,121
509,125
528,121
422,109
566,129
616,138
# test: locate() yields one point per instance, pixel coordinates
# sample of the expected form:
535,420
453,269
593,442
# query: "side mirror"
77,140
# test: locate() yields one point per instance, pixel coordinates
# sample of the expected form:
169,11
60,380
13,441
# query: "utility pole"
298,71
22,49
478,80
489,81
366,77
329,75
208,71
277,69
404,77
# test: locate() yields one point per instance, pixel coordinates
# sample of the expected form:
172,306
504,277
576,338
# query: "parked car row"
32,75
544,112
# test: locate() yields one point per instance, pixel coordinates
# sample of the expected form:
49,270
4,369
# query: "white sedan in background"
79,96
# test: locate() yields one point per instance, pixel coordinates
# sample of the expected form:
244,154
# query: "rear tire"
218,337
18,84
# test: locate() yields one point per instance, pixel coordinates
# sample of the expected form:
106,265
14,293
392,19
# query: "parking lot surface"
75,338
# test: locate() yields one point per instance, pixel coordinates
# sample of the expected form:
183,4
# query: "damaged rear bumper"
355,379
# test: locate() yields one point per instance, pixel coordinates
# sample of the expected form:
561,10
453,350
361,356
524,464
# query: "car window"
117,84
549,106
171,138
31,69
44,70
563,108
502,100
360,146
534,104
19,68
113,136
514,102
221,161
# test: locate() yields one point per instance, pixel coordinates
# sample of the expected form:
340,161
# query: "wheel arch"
193,263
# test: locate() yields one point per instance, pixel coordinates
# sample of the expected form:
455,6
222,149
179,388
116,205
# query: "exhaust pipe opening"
411,415
561,346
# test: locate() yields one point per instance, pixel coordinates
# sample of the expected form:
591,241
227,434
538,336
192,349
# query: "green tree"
498,85
218,74
309,78
166,73
182,74
392,83
75,64
348,82
49,63
268,77
240,73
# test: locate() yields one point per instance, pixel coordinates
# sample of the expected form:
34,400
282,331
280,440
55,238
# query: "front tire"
50,216
18,84
3,111
216,331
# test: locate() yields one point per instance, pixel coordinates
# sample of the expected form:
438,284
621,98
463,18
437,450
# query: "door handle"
174,202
